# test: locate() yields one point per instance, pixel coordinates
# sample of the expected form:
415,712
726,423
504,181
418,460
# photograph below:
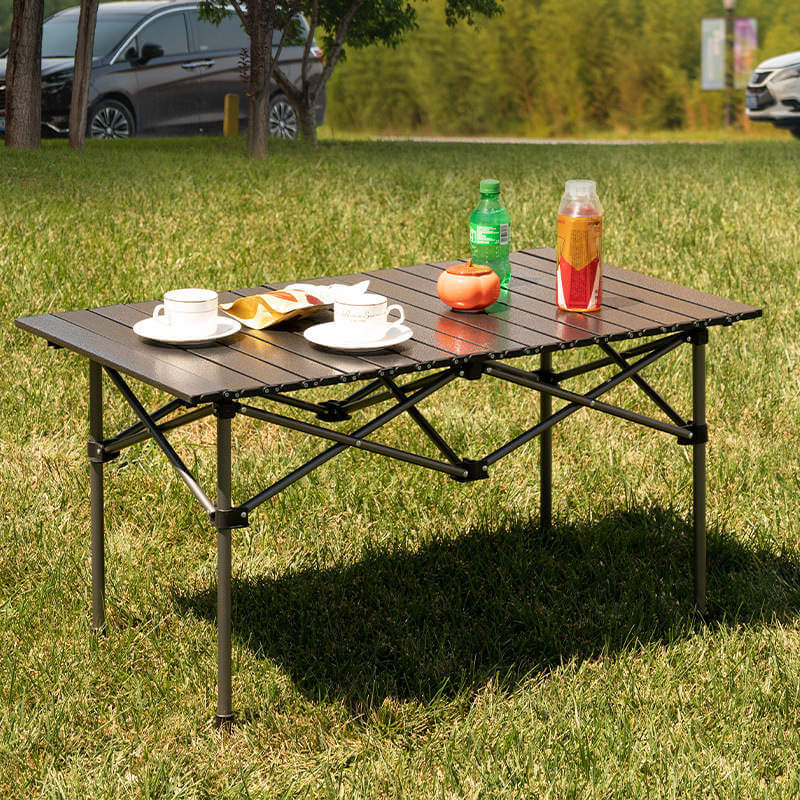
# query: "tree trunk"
259,125
251,115
24,76
260,51
259,21
308,121
83,70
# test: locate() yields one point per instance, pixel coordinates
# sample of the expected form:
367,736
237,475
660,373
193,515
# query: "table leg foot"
223,721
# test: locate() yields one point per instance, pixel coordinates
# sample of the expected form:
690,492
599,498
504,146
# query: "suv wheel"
283,118
110,119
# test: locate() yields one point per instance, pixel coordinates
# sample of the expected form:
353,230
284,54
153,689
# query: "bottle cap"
490,186
580,188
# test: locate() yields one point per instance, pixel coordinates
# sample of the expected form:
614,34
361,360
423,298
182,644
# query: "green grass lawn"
398,634
755,132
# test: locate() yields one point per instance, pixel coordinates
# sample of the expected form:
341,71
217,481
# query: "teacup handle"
159,308
399,310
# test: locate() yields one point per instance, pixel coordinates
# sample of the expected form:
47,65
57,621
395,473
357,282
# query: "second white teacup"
192,312
366,318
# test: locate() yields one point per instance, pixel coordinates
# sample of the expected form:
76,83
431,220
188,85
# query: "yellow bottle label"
579,263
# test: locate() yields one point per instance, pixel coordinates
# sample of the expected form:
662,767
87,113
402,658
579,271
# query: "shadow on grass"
416,625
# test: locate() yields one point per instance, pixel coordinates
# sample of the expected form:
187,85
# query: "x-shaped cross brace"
225,516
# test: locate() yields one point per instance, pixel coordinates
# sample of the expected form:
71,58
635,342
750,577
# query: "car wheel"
795,132
283,118
110,119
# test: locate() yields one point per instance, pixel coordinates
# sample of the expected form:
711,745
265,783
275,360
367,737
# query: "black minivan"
158,69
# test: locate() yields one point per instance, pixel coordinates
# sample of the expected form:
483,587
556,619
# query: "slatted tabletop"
278,360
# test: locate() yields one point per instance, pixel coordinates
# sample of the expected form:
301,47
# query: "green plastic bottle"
489,232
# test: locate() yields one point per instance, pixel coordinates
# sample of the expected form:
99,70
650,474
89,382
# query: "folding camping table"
274,365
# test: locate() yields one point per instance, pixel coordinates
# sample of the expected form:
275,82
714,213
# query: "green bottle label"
488,234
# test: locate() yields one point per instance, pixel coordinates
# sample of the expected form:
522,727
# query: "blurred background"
543,68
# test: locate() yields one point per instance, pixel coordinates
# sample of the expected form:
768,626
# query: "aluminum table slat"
284,360
623,295
247,368
167,373
255,362
457,340
539,311
532,323
291,342
492,329
417,353
542,295
637,279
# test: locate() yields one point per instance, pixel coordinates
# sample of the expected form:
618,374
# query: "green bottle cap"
490,186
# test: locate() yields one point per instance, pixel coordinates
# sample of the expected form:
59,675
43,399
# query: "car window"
60,34
228,35
167,31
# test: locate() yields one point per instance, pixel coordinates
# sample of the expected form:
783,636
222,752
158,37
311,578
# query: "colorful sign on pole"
712,64
745,42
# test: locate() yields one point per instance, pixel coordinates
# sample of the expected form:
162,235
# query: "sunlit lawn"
397,634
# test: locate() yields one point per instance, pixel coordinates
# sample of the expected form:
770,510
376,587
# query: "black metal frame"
225,516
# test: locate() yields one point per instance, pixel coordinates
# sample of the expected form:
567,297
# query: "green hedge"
548,67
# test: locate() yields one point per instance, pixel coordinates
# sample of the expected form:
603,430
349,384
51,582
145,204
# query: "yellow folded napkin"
265,310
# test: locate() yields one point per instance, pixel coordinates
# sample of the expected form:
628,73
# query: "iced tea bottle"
579,254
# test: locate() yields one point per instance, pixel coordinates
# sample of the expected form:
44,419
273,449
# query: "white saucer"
156,331
328,334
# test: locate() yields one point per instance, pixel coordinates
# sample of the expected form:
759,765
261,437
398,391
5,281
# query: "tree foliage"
359,23
6,7
548,67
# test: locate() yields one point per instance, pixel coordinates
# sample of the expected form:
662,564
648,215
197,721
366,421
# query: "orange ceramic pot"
468,287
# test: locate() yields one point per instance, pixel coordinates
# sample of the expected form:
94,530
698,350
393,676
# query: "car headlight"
55,83
788,74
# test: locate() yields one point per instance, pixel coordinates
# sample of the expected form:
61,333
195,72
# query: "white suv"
773,93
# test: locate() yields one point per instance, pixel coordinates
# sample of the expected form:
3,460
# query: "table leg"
546,452
699,468
224,689
96,500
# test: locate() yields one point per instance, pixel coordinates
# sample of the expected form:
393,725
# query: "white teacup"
192,312
365,318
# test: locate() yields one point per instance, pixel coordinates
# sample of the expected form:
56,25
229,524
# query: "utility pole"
730,5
